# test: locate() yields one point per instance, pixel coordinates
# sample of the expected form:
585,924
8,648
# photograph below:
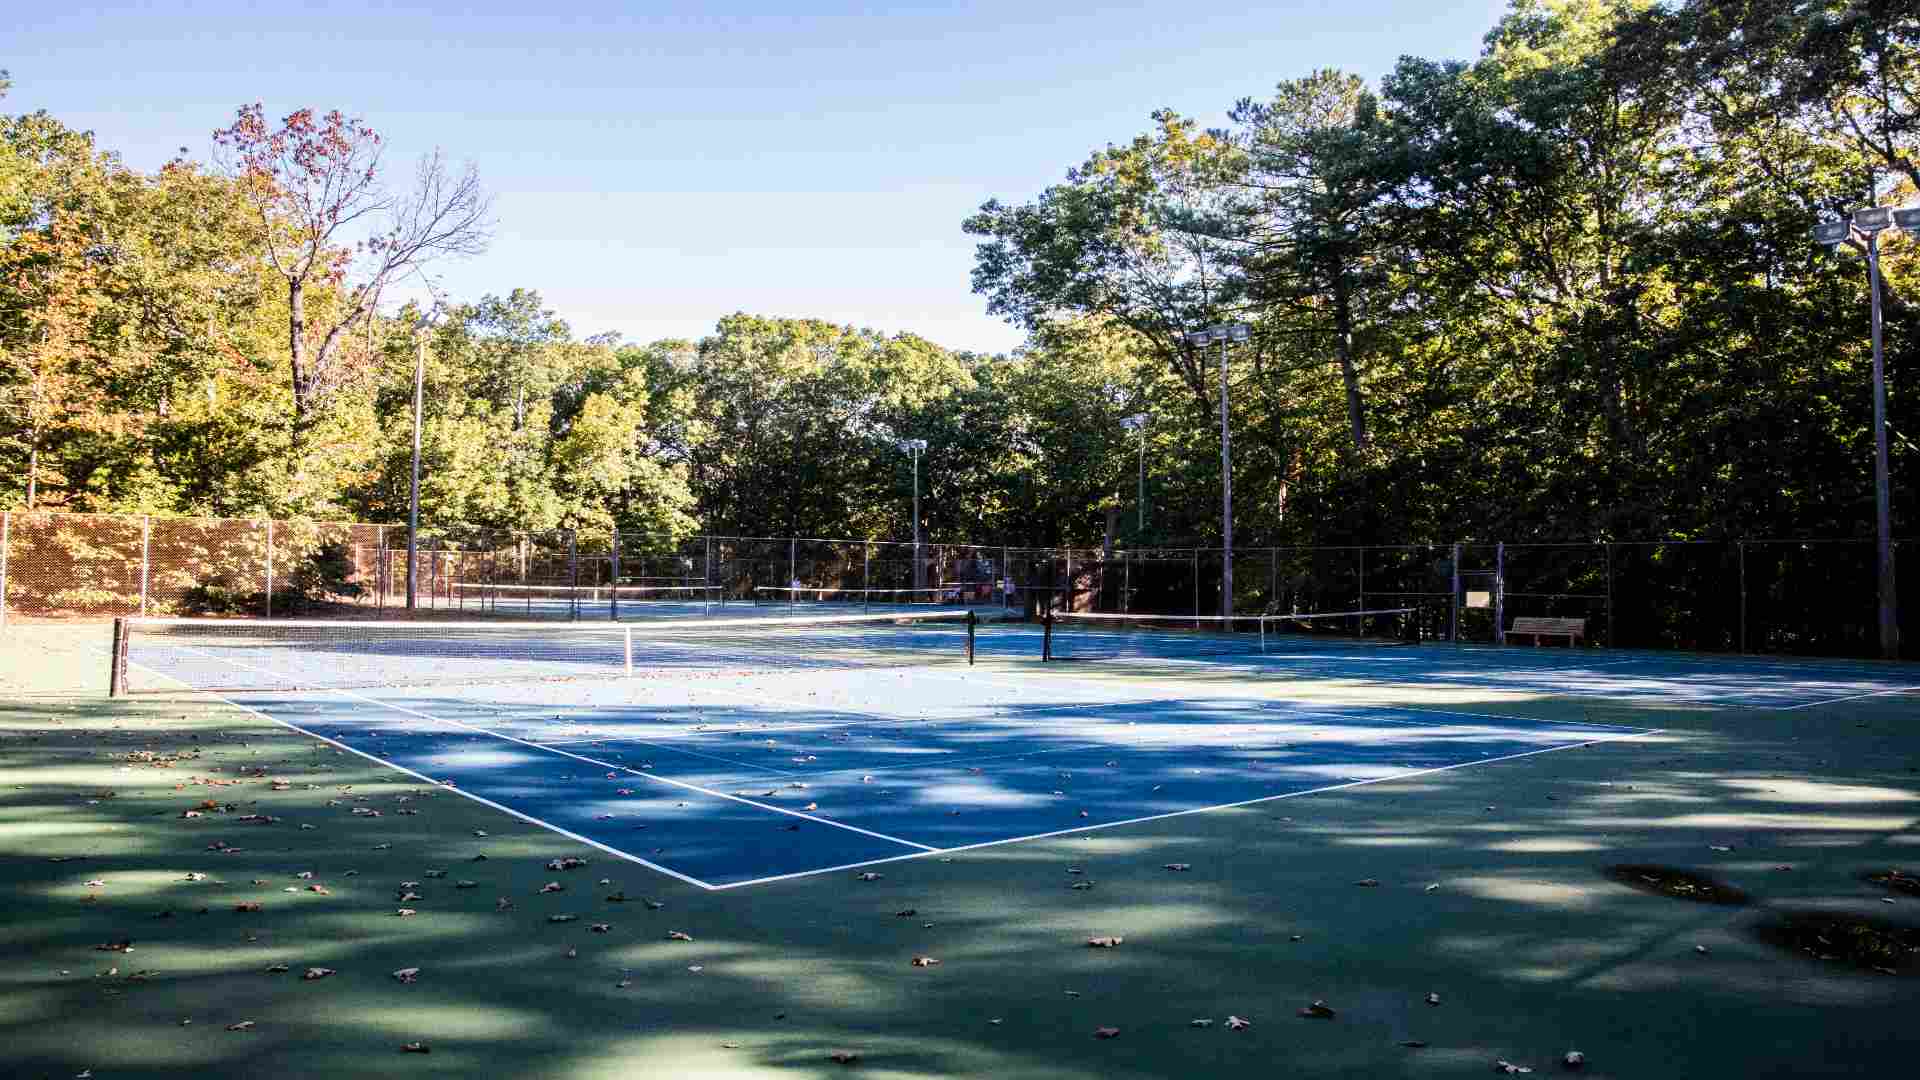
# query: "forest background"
1563,291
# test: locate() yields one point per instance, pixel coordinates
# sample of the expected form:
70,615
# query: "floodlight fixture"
1832,233
1873,219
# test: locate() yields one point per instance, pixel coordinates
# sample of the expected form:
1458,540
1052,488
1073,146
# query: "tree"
329,223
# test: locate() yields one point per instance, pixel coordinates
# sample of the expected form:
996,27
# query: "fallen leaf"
1104,942
1509,1068
868,876
1106,1033
843,1057
241,1025
1238,1023
1200,1023
1574,1059
675,935
1319,1010
314,973
1368,883
924,961
407,975
1178,867
275,969
1433,999
561,918
601,928
415,1048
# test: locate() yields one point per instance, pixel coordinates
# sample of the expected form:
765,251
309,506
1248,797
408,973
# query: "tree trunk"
1349,372
297,351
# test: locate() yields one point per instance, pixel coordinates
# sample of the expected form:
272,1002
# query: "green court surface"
1542,898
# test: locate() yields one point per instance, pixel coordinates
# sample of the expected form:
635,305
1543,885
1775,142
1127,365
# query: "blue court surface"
759,766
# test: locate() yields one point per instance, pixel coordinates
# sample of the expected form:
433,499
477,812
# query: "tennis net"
489,596
1102,636
154,654
809,596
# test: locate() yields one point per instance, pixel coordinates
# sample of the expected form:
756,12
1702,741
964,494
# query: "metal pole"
1608,548
1363,579
613,592
1141,497
1743,596
413,496
1226,492
146,560
793,571
919,565
269,568
1126,587
1194,555
1882,492
6,539
1453,605
1500,593
573,575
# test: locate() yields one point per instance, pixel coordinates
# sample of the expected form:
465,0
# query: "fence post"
1126,586
6,537
146,550
1194,556
573,576
613,591
1500,593
1610,617
1453,602
1743,596
1069,582
1363,580
269,568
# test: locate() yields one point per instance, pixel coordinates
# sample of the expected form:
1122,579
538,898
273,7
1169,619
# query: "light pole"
914,448
1866,225
1138,422
1224,333
413,498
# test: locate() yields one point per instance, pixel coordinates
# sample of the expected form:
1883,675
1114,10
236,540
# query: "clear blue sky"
658,165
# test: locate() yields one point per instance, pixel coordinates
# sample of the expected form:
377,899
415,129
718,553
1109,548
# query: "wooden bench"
1539,626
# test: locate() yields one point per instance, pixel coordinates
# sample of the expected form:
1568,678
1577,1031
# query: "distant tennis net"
638,599
810,596
1102,636
152,654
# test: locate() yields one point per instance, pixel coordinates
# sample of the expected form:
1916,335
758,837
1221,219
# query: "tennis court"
730,752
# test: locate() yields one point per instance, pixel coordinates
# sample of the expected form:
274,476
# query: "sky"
656,166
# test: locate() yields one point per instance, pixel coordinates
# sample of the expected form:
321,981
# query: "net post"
1263,633
117,661
973,621
627,648
1046,634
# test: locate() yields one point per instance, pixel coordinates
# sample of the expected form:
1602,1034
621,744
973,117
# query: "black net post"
1046,635
973,621
117,661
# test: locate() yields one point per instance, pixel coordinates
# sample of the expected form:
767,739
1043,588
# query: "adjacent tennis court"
730,752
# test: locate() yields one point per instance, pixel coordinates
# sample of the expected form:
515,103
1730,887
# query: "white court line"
1179,813
925,850
1853,697
601,764
1493,716
436,784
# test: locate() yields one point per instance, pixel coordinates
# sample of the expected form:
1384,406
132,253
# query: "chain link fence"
1807,597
